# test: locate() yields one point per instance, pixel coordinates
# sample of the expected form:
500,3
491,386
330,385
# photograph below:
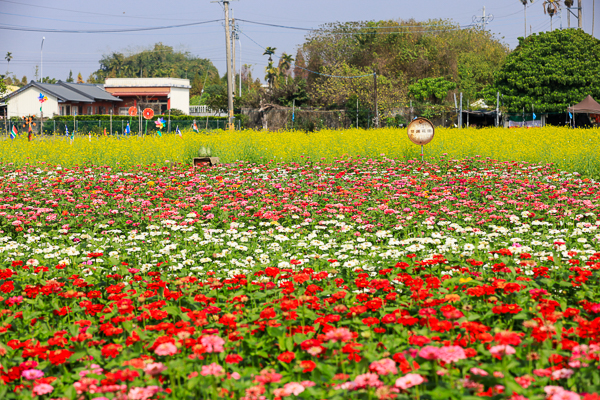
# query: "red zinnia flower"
111,350
233,359
307,365
286,357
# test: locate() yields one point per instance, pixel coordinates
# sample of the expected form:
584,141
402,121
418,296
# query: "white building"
63,99
161,94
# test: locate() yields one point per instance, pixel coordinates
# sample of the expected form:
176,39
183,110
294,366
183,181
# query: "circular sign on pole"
132,111
421,131
148,113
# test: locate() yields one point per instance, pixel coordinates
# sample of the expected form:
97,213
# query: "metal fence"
100,127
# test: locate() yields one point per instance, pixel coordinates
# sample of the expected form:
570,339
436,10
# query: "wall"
26,103
180,99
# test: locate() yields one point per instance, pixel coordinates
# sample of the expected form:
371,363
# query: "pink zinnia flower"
213,344
32,374
558,393
368,379
154,369
338,335
502,350
478,371
409,380
294,388
449,354
385,366
212,369
563,373
166,349
429,353
141,393
42,388
268,375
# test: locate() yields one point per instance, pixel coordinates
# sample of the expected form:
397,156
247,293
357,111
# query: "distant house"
160,94
63,99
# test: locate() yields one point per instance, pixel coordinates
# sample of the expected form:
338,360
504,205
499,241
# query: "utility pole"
484,19
579,15
42,60
497,109
233,37
525,15
228,63
376,105
240,43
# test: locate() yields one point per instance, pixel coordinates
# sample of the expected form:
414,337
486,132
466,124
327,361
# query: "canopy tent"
587,105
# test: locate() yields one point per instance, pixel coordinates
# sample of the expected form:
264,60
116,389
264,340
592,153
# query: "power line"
308,70
108,30
62,20
357,29
86,12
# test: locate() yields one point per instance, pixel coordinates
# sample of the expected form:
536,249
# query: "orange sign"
132,111
148,113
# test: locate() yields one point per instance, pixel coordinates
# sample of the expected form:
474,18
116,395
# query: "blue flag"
66,130
127,129
570,115
533,115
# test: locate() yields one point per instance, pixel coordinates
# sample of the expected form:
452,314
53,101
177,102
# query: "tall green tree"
158,61
550,70
70,78
269,51
8,57
404,52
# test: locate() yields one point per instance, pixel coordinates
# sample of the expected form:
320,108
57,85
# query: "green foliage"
160,61
47,79
335,92
550,71
70,78
2,86
434,90
217,97
403,52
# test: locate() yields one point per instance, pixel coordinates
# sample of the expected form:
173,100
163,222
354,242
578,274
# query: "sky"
80,52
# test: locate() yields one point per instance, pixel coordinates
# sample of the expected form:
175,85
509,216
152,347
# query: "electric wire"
154,28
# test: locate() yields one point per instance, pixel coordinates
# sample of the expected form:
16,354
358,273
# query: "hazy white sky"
80,52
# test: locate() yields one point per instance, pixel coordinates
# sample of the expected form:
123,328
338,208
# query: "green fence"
98,127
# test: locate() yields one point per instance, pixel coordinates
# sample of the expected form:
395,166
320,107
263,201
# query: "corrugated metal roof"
91,91
63,93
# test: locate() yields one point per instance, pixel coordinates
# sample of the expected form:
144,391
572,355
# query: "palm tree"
285,64
569,4
551,7
271,75
8,58
269,51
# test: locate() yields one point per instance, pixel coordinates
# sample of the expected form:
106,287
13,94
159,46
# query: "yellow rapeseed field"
570,149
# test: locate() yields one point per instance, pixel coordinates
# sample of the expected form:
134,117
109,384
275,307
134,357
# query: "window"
62,110
68,110
102,110
89,110
123,111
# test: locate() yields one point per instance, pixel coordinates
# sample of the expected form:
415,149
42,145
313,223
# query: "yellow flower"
465,280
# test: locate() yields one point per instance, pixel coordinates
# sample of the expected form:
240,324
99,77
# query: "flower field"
568,149
360,278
